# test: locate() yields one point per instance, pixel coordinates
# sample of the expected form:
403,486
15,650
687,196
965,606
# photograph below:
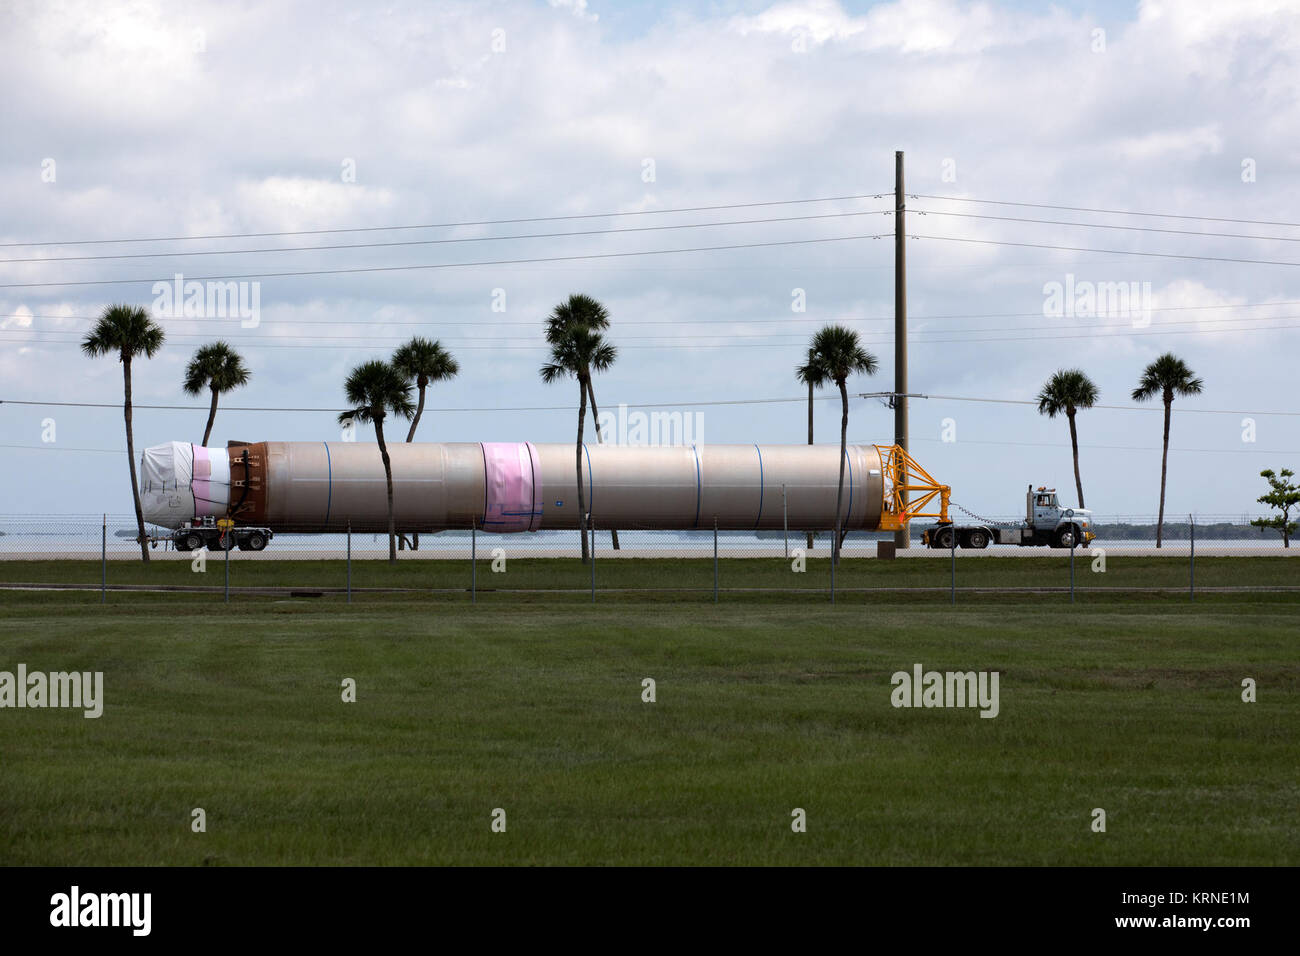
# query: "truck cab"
1051,524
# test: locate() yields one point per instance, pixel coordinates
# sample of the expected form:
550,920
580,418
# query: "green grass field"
679,574
532,704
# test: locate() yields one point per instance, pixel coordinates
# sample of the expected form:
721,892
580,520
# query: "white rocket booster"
518,486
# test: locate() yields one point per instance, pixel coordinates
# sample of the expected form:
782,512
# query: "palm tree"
128,331
1068,391
423,362
836,354
1167,376
813,376
374,389
581,311
217,367
578,351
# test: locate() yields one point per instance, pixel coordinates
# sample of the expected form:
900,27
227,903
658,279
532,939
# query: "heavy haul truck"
242,494
1046,523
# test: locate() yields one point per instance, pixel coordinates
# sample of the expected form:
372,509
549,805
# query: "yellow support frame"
904,479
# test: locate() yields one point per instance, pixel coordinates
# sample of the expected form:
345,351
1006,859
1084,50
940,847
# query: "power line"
1119,408
453,225
490,327
642,212
1085,225
967,333
964,441
502,408
1118,252
1144,448
283,342
444,265
641,252
53,447
1112,212
435,242
694,404
621,322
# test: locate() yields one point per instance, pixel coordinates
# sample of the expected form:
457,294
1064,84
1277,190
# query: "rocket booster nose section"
166,472
179,482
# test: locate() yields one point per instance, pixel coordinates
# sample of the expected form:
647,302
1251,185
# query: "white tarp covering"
166,477
211,481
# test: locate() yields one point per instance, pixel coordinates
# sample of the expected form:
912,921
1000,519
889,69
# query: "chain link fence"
100,552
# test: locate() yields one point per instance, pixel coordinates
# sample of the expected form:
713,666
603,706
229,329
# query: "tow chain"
983,520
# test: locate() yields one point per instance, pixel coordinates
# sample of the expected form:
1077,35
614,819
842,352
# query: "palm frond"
128,330
217,366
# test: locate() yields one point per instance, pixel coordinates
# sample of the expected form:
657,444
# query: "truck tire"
942,539
190,542
221,543
256,541
977,539
1066,537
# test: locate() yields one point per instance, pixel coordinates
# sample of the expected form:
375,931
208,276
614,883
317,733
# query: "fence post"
1072,544
835,534
349,560
1191,567
103,561
785,522
953,549
715,559
473,561
226,545
591,523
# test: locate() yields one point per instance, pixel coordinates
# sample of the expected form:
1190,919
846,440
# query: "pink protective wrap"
201,485
514,489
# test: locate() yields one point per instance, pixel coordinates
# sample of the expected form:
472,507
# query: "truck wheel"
977,540
220,543
943,539
191,542
256,541
1067,537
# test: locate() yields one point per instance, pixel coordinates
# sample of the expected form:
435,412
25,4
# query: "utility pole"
809,542
902,538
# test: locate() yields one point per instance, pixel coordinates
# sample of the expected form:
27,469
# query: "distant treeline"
1117,531
1181,531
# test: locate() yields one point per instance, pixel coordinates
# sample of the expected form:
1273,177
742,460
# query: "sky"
147,121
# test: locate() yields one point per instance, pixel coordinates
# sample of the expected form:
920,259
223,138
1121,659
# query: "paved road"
308,591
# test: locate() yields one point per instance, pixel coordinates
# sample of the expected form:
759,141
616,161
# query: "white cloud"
577,7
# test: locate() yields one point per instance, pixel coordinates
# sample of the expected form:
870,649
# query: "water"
35,536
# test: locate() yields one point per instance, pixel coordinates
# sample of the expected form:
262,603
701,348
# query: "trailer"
1046,523
218,535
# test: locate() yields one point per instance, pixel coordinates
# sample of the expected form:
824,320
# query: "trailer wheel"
1066,537
977,539
256,541
190,542
943,539
222,543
